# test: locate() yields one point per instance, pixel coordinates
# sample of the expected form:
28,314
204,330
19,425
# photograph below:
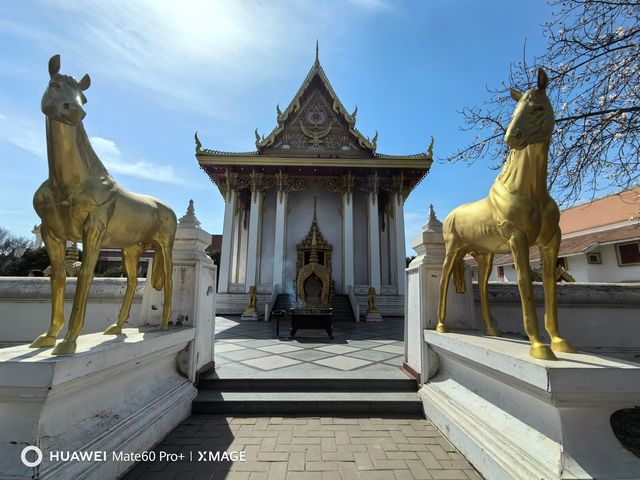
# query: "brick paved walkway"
308,448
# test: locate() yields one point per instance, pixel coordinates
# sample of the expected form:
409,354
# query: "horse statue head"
533,119
63,99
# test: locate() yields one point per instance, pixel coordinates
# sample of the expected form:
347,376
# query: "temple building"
314,209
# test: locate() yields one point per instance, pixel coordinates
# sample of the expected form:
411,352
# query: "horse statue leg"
520,250
450,261
56,248
485,263
94,230
130,256
549,255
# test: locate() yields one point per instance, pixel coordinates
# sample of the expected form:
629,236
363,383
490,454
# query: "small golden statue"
253,300
517,213
371,301
80,201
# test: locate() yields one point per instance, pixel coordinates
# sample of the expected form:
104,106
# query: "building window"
594,258
628,253
501,272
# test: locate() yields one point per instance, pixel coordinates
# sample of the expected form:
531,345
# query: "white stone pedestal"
116,394
515,417
374,317
249,317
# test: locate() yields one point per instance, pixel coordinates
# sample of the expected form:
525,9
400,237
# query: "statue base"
249,316
515,417
374,317
115,394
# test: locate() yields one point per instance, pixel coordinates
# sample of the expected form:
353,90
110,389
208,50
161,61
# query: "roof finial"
433,221
317,58
314,208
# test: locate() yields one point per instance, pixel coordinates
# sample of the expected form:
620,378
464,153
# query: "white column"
280,240
401,254
227,240
255,216
374,242
347,238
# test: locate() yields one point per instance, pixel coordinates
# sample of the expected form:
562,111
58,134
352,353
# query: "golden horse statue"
517,213
80,201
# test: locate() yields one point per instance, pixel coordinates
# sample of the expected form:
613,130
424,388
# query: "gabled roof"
315,130
337,107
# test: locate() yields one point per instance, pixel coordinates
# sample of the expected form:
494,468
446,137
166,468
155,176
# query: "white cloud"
190,55
110,154
25,134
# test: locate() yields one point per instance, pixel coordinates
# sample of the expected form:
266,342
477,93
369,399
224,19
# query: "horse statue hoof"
492,331
64,348
542,351
561,345
163,328
43,341
441,328
113,330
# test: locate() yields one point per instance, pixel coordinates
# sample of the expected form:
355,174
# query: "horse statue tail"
157,270
458,276
162,259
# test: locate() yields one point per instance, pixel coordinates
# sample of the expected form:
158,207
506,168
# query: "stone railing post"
422,298
194,290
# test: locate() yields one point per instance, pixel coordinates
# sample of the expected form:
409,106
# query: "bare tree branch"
593,54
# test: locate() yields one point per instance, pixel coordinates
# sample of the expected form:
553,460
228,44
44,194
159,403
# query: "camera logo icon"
29,449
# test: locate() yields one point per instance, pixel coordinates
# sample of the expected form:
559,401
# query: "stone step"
310,402
308,385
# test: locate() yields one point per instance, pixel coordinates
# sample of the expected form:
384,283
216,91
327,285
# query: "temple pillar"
374,234
347,239
401,254
255,220
227,240
280,240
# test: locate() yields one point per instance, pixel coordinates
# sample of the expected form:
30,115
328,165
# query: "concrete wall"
589,314
25,305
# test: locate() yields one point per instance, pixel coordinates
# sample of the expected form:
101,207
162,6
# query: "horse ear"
543,80
515,94
85,82
54,65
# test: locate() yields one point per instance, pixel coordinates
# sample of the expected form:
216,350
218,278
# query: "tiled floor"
307,448
358,350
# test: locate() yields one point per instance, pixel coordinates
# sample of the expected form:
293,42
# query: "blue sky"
161,70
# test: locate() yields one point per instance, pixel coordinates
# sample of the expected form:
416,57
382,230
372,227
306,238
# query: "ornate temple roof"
315,125
315,136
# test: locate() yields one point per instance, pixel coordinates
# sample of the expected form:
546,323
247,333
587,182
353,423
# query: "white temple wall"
265,272
393,242
386,262
240,240
300,216
360,238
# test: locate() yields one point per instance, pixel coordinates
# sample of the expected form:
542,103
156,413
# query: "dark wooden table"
308,318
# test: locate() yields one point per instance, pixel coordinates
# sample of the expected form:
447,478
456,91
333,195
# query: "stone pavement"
358,350
307,448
